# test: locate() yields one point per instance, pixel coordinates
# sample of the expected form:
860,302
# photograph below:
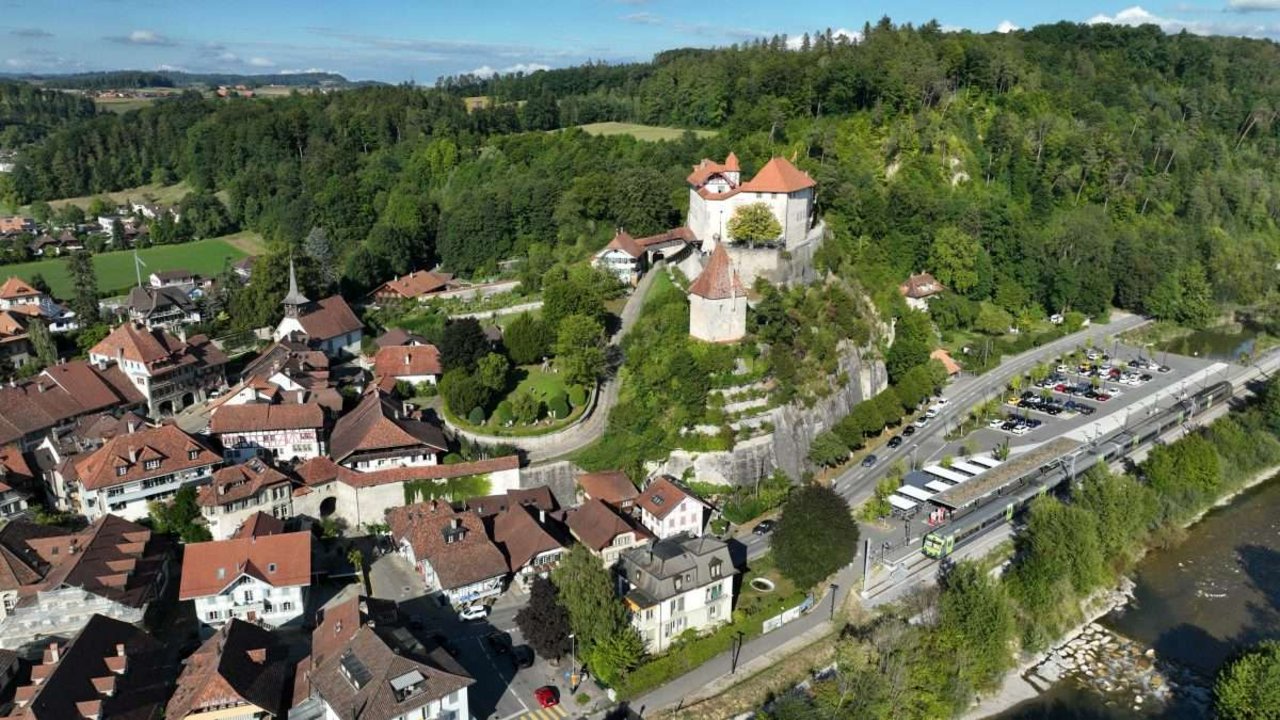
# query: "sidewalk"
713,677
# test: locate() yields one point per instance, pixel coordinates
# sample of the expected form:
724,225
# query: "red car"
546,696
1103,397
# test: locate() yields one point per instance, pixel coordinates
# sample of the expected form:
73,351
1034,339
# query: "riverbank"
1074,646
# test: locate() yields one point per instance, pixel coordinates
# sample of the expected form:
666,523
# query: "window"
286,607
115,491
193,454
715,568
248,596
151,465
211,615
120,471
679,583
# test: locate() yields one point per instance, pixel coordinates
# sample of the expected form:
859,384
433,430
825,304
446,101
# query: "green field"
159,194
116,272
641,132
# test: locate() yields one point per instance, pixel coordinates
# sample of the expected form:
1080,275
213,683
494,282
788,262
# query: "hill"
137,79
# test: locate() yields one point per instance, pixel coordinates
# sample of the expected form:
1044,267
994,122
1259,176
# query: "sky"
421,40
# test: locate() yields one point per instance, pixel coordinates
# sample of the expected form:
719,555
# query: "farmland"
641,132
116,272
159,194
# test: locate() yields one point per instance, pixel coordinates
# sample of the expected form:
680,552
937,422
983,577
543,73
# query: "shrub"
577,395
476,416
502,414
558,405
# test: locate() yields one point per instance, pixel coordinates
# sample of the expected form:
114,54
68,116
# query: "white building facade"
716,192
252,600
681,584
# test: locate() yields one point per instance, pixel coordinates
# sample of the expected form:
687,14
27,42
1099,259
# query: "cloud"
643,18
143,37
486,71
261,62
1006,26
17,63
1248,6
1137,15
31,33
165,67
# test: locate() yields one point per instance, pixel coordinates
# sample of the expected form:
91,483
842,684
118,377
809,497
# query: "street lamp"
573,663
833,587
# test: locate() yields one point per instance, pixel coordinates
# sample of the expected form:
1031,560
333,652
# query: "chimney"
133,455
53,655
258,655
119,649
542,516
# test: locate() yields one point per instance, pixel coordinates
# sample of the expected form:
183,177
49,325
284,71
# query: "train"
943,541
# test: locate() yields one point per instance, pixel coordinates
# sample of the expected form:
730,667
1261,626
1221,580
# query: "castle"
716,191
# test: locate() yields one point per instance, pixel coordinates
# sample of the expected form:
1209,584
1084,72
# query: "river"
1195,603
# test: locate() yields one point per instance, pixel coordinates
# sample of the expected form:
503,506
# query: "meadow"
641,132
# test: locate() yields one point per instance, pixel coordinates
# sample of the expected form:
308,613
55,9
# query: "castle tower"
718,302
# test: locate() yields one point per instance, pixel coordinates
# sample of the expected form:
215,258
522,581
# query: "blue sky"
398,40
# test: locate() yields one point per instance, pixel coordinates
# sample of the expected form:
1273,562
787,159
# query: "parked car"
922,422
869,460
474,612
546,696
996,423
895,442
522,656
764,527
908,431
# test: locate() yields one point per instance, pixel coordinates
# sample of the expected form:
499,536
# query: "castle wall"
717,320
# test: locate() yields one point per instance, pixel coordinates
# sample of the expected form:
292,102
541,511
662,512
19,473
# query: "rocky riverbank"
1122,671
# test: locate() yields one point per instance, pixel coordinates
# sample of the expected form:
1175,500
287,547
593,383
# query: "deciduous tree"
1248,688
753,224
544,622
816,535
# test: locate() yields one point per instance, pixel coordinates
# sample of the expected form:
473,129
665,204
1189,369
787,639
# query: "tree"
319,249
616,655
42,341
580,349
180,516
828,450
753,224
1270,404
492,371
40,284
544,622
525,408
463,344
816,535
993,320
84,300
912,343
585,589
975,625
953,258
463,392
1248,688
526,339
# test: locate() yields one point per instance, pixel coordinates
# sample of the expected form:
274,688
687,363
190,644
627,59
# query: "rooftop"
282,560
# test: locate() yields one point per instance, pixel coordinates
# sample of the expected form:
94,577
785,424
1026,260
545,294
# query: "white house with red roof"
172,373
257,579
716,191
329,325
139,467
667,510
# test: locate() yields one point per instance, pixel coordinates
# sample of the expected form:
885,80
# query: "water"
1196,603
1215,343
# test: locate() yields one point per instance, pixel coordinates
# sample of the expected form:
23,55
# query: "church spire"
294,301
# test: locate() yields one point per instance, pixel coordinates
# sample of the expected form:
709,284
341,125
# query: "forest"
28,113
1068,167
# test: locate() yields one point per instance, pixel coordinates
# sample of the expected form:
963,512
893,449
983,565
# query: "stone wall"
787,447
561,477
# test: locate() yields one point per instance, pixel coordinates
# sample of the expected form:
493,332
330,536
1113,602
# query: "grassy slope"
161,194
641,132
116,271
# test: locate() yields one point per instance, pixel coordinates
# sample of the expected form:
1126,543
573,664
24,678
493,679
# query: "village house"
139,467
239,492
667,510
612,487
603,531
378,434
256,579
17,483
716,191
55,457
417,285
282,432
718,301
396,337
918,289
54,399
522,525
622,257
113,567
328,325
15,341
18,297
677,584
177,278
243,671
359,499
109,670
414,364
17,225
152,211
17,293
172,373
163,308
451,549
362,670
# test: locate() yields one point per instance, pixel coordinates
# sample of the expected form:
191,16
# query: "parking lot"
486,648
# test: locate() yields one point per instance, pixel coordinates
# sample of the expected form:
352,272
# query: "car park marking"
552,713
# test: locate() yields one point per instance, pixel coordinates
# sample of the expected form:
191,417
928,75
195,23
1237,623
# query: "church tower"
295,301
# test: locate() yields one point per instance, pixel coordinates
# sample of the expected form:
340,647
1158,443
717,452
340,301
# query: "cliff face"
795,428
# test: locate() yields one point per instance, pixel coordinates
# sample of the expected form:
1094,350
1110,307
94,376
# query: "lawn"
116,271
159,194
542,385
641,132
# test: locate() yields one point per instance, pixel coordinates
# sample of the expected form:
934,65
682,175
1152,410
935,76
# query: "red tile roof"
921,285
278,560
612,486
674,235
240,666
321,470
114,558
454,543
329,318
718,280
624,242
260,417
703,171
407,361
259,524
15,287
175,449
778,176
521,537
238,482
373,426
416,284
661,496
595,524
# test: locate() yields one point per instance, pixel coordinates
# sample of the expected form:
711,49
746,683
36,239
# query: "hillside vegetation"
1063,168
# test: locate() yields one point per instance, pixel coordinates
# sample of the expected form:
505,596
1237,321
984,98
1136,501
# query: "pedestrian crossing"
555,712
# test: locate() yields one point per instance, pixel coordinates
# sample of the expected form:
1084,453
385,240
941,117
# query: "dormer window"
679,582
271,568
193,454
120,471
151,465
715,568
